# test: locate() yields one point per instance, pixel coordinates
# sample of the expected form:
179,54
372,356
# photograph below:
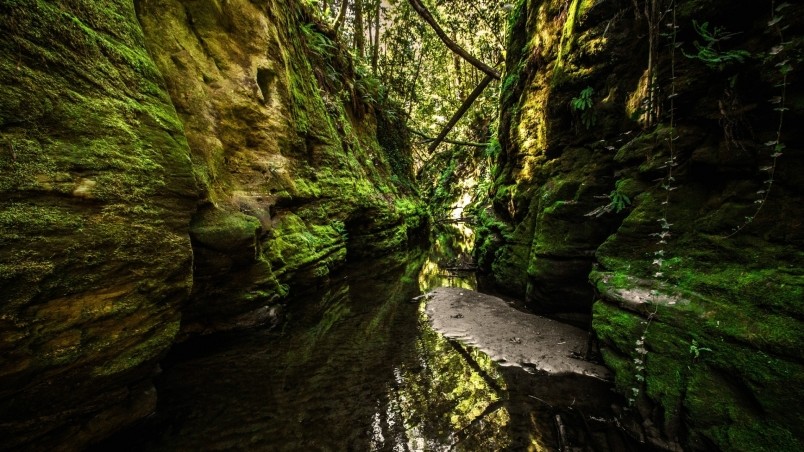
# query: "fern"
708,51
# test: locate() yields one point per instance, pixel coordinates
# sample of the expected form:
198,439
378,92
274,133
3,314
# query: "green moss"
678,374
223,230
725,419
145,351
294,244
32,218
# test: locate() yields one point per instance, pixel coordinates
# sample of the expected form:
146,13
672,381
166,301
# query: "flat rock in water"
509,336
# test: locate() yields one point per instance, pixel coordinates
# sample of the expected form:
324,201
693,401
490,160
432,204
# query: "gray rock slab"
509,336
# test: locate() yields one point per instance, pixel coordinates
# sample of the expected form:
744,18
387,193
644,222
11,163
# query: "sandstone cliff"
636,138
170,167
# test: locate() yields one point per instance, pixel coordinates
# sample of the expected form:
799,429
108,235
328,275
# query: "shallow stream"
359,368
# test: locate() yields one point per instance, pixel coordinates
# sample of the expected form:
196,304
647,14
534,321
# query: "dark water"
358,368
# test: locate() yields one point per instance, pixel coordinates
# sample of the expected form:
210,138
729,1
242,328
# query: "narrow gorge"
228,224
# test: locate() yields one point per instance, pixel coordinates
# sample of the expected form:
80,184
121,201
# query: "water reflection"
446,397
450,262
359,368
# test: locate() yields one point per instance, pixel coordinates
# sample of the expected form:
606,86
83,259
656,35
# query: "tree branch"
461,111
429,139
425,14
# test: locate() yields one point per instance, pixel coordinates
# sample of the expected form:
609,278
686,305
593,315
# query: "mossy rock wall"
96,195
723,358
167,168
551,168
285,145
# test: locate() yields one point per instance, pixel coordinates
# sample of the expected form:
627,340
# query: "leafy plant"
317,41
584,100
696,349
583,103
618,201
708,51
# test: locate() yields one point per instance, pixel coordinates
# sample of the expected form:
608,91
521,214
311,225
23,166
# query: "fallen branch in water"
562,434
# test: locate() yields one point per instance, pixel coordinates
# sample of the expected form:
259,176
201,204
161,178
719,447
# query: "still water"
358,368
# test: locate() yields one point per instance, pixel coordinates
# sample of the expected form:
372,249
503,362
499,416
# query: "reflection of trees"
472,362
359,368
448,397
451,250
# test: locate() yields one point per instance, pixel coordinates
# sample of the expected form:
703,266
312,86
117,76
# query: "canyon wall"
650,171
170,168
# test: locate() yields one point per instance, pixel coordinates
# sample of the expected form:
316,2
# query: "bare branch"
429,139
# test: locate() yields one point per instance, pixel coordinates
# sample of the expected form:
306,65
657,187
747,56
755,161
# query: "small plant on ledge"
618,201
583,104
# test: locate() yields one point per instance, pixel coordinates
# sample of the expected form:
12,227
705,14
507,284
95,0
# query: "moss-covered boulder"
671,166
96,194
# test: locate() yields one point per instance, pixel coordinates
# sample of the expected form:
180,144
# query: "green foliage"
441,193
490,232
618,201
494,149
584,99
708,48
369,86
316,41
394,138
583,103
696,349
423,76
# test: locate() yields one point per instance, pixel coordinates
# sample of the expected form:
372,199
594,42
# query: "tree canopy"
429,77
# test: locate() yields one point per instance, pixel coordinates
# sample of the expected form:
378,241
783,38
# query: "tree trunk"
411,94
456,61
360,38
461,111
375,49
425,14
341,15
